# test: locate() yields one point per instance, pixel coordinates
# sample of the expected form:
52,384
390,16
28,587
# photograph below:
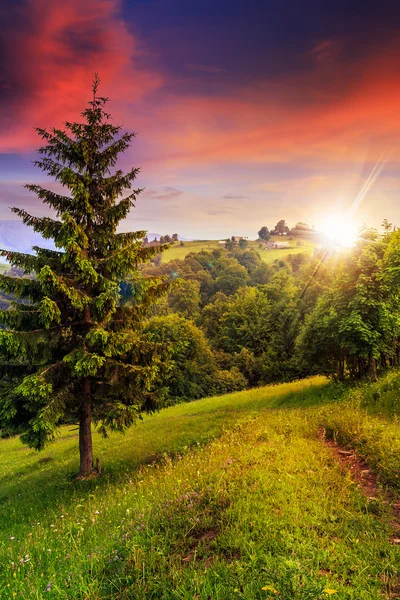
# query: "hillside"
296,245
238,496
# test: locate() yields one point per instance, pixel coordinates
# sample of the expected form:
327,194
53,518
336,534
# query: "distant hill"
16,236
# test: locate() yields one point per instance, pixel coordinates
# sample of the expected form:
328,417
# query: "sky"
245,112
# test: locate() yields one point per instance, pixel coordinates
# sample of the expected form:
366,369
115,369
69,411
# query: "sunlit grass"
177,252
228,497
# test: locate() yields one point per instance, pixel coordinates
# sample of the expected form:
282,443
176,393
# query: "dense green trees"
334,313
191,371
70,349
355,326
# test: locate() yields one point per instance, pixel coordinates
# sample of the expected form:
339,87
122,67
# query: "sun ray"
340,226
372,177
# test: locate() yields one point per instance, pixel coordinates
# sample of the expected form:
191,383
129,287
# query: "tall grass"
223,498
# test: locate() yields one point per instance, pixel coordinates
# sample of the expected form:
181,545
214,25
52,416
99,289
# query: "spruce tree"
70,350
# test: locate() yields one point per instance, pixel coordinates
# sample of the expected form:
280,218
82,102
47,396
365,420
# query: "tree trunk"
85,433
372,368
340,369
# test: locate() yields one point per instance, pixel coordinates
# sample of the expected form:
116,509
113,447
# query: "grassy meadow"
177,252
233,497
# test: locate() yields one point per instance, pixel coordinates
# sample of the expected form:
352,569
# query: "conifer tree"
70,350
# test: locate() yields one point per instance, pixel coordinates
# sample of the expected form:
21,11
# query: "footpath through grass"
223,498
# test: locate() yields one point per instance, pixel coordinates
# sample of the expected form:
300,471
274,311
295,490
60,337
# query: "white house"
278,245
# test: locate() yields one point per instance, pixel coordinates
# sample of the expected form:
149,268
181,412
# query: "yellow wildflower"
270,588
329,591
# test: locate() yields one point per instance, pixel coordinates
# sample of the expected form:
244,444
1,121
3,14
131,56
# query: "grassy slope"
216,499
179,252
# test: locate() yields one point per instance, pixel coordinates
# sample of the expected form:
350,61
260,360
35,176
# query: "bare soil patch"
367,481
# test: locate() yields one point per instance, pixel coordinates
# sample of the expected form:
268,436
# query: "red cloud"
336,111
52,55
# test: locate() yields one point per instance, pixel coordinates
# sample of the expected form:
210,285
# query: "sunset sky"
246,111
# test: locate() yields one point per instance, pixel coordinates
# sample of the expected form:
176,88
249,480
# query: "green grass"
176,251
217,498
269,256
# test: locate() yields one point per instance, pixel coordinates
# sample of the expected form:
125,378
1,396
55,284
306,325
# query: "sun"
340,229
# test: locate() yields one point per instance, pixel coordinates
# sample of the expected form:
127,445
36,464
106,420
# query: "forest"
242,322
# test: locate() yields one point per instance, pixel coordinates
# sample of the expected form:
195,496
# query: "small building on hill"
277,245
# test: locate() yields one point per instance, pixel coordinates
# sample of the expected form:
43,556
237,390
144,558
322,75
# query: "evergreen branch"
56,201
49,228
66,287
23,287
115,184
54,410
48,255
108,157
28,262
64,173
118,212
132,236
46,329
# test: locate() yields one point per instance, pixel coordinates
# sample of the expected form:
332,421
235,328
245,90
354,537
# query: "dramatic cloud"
307,117
50,52
289,108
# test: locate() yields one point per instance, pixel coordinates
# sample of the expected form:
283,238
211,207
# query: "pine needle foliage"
69,348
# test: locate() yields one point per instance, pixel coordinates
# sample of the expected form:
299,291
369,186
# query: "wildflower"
329,591
270,588
48,586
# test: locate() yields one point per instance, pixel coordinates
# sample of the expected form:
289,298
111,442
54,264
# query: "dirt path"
368,482
369,485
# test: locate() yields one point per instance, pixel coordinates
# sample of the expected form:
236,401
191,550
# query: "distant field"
3,268
269,256
176,251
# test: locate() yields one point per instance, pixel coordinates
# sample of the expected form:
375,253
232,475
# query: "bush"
229,381
191,371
